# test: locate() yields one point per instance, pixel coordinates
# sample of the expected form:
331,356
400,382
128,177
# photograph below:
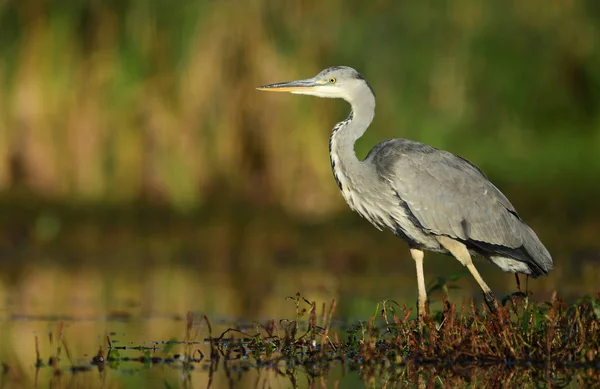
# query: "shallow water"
150,352
136,281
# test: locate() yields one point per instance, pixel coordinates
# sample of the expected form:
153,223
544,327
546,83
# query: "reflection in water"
138,283
169,352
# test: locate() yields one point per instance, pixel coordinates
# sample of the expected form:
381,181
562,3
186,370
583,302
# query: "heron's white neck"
344,163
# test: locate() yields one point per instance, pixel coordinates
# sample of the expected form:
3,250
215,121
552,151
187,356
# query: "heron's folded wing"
447,194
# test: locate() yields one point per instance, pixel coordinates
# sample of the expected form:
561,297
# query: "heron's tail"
541,261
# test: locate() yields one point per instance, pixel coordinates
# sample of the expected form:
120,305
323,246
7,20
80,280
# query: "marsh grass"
129,101
523,343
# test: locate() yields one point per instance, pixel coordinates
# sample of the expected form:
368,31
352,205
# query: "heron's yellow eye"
332,80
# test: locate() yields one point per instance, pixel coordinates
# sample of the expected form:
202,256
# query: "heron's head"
335,82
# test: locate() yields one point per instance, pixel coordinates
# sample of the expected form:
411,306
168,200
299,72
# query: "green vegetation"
141,173
125,100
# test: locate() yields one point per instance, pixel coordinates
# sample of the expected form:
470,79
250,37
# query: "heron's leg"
422,300
518,282
460,252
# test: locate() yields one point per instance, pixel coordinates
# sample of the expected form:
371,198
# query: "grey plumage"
433,199
447,195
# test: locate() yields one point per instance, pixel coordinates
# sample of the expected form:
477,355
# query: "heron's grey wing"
447,194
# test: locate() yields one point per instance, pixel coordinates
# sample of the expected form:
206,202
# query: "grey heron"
433,199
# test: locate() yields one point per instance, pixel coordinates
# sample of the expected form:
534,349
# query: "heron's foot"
491,301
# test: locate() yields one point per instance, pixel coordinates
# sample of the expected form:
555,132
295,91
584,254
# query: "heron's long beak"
299,86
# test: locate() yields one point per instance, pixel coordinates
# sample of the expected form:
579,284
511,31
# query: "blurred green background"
141,173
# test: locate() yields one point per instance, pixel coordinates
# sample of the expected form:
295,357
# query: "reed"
126,101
